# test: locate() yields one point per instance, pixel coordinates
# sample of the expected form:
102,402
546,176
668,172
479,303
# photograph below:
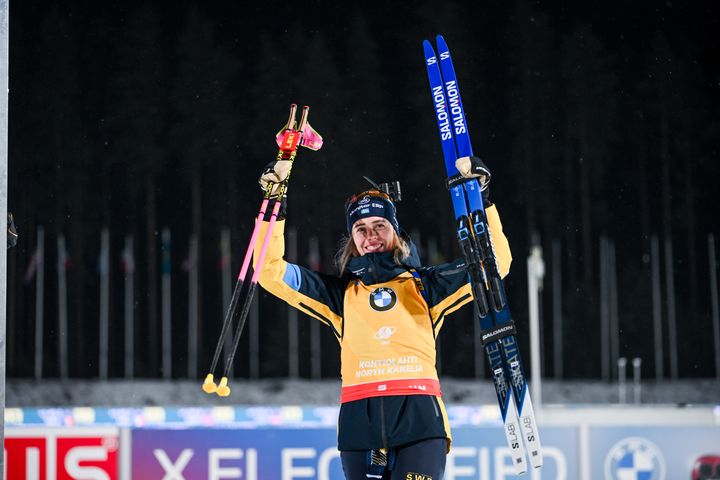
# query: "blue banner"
249,454
477,453
650,453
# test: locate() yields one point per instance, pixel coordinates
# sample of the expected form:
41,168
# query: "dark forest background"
597,121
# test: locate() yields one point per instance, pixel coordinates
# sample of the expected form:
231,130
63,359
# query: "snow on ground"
150,392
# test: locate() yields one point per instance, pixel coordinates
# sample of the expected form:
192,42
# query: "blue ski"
498,330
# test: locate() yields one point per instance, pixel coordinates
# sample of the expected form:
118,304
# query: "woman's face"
373,235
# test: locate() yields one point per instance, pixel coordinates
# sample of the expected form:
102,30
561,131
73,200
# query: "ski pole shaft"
292,144
209,385
223,390
248,253
254,281
238,332
232,307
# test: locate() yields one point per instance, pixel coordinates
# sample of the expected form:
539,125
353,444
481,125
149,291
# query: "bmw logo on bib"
383,299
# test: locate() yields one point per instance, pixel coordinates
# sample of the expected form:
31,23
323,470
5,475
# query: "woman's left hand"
473,167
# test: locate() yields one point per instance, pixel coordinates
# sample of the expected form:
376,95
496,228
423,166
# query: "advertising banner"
288,444
481,453
249,454
289,454
652,453
61,453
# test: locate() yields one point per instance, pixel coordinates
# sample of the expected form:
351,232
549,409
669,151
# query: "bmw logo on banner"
634,458
383,299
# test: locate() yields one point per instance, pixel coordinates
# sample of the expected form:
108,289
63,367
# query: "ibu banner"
289,454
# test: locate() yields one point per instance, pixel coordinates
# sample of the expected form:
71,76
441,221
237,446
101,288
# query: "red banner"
62,453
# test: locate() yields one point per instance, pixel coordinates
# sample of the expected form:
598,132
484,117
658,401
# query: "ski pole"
291,144
209,385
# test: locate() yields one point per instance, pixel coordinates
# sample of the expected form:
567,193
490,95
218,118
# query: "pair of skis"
498,329
291,137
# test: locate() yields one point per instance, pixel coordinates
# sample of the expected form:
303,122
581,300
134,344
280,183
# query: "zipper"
383,433
436,406
322,318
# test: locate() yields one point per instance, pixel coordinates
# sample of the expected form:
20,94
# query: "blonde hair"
401,251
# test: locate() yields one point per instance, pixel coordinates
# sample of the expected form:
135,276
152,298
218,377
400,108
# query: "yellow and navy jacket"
386,318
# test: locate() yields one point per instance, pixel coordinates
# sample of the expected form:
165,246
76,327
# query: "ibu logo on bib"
383,299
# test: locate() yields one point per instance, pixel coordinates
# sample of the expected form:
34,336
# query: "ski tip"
441,43
429,51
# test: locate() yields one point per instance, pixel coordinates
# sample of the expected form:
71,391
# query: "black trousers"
424,460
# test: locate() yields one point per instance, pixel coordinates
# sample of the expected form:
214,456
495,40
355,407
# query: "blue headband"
368,204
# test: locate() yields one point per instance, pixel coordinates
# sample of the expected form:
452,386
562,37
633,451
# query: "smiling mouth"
374,248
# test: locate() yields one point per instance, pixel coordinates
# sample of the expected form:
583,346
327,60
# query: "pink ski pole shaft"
227,322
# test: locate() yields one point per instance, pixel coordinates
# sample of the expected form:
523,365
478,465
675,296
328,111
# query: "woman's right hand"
274,172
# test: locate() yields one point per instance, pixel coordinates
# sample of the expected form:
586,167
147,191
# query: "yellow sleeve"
500,244
313,293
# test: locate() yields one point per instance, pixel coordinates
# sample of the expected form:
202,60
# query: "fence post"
39,302
613,314
193,327
166,305
128,263
536,272
104,264
62,306
226,272
657,307
605,357
714,301
670,294
622,383
557,310
636,363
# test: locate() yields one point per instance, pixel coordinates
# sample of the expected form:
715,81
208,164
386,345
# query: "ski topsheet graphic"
498,330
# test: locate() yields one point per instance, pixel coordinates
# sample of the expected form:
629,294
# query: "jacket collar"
373,268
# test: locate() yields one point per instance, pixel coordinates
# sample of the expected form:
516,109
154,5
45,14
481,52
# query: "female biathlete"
385,311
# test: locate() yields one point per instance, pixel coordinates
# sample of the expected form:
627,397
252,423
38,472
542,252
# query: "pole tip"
222,389
209,385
